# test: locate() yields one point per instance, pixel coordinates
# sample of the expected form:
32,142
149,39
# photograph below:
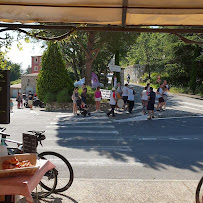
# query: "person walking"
165,93
159,96
30,100
151,102
84,93
75,98
131,98
125,95
18,99
98,98
112,102
144,98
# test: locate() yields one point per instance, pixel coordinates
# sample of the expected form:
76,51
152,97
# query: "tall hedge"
53,76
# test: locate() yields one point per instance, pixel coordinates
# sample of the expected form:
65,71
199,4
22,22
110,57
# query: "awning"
104,12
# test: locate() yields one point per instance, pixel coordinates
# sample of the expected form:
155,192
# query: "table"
24,185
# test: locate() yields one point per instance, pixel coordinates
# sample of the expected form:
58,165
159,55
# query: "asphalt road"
103,148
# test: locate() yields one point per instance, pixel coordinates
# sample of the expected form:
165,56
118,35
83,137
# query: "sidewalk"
126,191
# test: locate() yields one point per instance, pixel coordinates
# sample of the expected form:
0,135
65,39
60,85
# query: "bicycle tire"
51,189
197,194
68,165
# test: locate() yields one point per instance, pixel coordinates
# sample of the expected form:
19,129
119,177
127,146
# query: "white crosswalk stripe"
95,133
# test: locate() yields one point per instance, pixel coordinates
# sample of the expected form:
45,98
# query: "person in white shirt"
131,98
144,98
125,94
159,96
112,102
165,93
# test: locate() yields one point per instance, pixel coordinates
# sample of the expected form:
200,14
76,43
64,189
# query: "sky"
23,56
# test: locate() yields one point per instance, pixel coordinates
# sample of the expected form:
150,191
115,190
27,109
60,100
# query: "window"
35,68
35,59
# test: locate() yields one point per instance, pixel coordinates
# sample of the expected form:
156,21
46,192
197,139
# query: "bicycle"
199,194
57,159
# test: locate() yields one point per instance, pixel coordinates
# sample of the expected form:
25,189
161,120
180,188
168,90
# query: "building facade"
29,83
36,64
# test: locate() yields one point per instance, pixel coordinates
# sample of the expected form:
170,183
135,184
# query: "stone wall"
69,107
29,82
135,72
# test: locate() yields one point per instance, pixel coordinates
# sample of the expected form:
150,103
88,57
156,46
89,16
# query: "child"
11,105
151,102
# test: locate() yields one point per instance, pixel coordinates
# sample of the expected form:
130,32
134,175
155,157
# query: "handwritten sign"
29,143
115,68
105,94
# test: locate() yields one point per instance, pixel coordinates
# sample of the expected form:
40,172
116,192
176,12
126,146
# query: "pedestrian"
75,98
98,98
21,101
11,105
159,96
30,100
112,102
18,99
84,93
125,95
165,93
151,102
131,98
119,90
144,98
148,88
128,78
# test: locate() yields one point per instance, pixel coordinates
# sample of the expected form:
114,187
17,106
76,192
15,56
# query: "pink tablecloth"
24,185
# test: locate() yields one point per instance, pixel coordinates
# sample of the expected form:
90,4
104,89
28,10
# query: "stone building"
29,82
135,72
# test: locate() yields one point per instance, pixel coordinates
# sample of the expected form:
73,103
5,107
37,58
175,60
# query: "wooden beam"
100,28
124,12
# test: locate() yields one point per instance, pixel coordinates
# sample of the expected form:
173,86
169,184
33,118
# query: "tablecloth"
24,185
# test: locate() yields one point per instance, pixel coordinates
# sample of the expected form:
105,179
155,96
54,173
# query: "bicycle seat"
36,132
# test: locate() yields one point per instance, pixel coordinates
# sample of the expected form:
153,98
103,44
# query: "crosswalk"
81,137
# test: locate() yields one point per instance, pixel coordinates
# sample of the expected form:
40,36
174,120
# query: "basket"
19,171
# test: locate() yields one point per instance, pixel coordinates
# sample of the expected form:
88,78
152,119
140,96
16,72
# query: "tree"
15,71
53,76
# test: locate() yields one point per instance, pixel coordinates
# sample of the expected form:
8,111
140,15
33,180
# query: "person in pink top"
98,98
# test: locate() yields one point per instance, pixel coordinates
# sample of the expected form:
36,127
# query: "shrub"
64,96
53,76
50,97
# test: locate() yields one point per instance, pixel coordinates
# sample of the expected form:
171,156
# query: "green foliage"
90,95
53,76
15,82
64,96
49,97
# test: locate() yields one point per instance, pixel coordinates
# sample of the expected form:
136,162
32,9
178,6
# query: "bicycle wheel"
63,168
49,180
199,192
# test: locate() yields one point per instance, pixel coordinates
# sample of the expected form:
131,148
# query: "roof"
31,75
16,86
105,12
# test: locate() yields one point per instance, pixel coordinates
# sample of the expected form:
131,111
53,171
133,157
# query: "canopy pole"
124,12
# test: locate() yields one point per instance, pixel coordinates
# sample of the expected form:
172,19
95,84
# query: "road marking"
99,148
190,104
147,138
82,118
85,131
98,162
84,126
79,122
137,118
187,107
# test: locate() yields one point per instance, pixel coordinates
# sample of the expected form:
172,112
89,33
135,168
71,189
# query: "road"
169,147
